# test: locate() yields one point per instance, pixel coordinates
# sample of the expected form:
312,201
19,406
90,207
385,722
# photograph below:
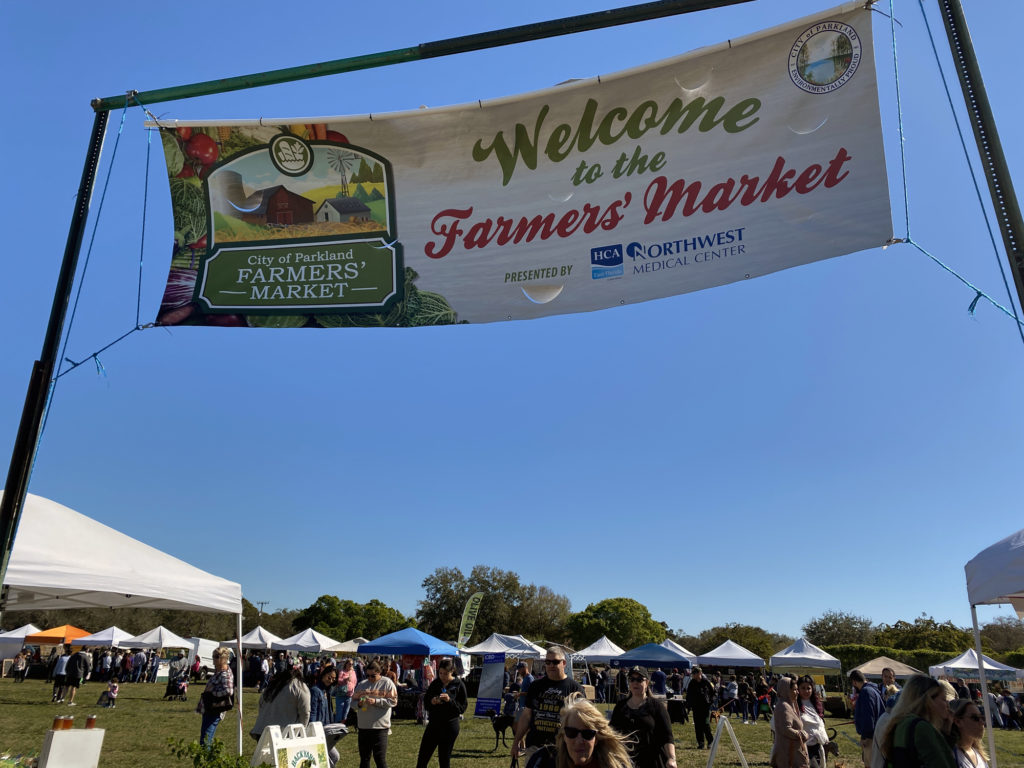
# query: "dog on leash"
501,724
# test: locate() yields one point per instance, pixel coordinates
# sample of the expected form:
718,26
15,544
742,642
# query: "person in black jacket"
445,700
699,695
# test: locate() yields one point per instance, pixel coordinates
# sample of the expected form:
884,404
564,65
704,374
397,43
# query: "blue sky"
839,436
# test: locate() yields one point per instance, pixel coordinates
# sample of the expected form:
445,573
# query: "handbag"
214,705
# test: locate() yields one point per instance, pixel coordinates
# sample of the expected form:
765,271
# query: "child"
109,697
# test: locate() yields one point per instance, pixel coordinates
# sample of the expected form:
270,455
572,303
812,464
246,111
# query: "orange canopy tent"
56,636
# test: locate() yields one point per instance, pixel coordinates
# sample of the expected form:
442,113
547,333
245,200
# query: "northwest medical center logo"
606,261
825,57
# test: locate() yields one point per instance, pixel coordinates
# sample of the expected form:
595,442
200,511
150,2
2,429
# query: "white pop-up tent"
259,638
966,665
601,650
158,637
995,575
58,562
111,637
351,646
307,641
510,645
804,657
12,641
672,645
730,654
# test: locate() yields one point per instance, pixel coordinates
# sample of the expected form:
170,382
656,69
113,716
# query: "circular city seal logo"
824,57
290,154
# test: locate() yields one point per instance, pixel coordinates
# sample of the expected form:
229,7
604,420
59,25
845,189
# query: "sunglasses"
975,718
588,734
553,661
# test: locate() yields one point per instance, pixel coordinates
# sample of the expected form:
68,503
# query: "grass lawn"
138,729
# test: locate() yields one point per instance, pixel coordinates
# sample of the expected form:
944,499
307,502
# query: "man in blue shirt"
866,711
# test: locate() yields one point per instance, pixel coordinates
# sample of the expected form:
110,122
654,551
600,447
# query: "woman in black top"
445,700
646,722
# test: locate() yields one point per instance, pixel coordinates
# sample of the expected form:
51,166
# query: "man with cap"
699,695
538,721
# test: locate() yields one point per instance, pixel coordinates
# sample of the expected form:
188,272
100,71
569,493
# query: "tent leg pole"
238,655
993,762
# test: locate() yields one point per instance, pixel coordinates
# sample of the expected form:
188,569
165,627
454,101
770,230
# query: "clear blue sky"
838,436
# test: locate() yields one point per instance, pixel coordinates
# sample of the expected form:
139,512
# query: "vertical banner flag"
723,164
469,617
492,685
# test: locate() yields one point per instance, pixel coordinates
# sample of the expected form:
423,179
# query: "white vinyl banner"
716,166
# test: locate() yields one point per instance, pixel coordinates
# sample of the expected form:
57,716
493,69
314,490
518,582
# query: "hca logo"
606,256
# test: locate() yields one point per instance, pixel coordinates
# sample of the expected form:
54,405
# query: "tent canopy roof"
966,665
306,641
20,632
55,565
258,638
730,654
511,645
111,637
158,637
600,650
65,633
801,655
874,667
668,642
996,574
410,641
650,655
352,646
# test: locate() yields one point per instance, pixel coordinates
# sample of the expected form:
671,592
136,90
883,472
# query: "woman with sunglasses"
645,720
375,697
968,735
586,740
914,734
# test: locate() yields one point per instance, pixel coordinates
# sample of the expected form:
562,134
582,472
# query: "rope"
145,203
899,114
974,178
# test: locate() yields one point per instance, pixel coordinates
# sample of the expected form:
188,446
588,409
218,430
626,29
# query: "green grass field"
138,729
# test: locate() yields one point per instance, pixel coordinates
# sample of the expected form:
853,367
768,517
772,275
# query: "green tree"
839,628
754,639
440,611
543,614
924,632
1003,634
623,620
345,619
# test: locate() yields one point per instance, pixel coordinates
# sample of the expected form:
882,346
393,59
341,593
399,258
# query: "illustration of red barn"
278,206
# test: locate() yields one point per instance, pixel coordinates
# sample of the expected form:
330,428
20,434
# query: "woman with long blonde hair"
914,733
968,734
586,740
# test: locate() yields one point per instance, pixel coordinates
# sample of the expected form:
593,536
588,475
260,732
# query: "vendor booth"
730,654
805,658
966,665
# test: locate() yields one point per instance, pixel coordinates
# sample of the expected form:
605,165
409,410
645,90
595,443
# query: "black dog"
500,724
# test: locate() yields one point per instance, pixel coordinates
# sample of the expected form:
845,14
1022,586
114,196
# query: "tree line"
512,606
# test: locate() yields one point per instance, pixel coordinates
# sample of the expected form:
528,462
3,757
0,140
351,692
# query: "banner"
492,686
469,617
712,167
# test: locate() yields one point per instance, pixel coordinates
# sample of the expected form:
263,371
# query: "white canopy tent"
352,646
730,654
158,637
510,645
672,645
995,575
601,650
258,638
804,657
56,564
111,637
966,665
307,641
12,641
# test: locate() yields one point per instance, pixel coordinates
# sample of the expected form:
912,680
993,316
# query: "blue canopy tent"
408,641
650,655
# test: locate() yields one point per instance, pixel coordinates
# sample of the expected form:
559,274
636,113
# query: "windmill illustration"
341,160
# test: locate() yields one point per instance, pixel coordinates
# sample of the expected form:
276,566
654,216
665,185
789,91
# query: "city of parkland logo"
606,261
824,57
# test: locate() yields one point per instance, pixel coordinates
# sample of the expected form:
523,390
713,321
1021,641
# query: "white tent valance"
510,645
59,562
804,657
158,637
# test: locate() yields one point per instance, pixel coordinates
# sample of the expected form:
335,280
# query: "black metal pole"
42,371
997,174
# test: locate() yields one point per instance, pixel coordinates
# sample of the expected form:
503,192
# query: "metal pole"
25,443
1000,185
477,42
994,762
